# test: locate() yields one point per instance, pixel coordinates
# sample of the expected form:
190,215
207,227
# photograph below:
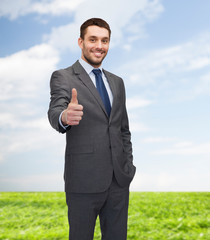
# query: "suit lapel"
84,77
114,92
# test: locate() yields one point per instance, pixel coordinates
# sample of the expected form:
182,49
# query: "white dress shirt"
88,68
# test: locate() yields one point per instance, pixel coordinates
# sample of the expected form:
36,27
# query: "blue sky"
162,51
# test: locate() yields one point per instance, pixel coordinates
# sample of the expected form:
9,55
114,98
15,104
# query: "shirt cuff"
60,122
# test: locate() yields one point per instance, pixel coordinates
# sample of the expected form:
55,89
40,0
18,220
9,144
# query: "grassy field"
163,216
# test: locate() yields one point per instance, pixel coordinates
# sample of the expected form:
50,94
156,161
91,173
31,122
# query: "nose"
99,44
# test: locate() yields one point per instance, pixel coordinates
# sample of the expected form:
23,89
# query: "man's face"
95,45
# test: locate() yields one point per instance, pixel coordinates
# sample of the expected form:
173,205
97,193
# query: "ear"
80,42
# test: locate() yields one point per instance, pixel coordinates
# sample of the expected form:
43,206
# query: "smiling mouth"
98,54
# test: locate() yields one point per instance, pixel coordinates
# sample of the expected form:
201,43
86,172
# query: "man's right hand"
74,112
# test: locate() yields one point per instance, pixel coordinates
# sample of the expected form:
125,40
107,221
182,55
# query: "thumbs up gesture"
74,112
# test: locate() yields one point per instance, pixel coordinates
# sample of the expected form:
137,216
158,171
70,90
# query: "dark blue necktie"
102,90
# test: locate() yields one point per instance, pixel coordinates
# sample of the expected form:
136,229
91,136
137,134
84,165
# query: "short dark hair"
94,22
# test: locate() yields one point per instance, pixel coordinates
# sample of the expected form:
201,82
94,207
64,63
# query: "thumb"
74,96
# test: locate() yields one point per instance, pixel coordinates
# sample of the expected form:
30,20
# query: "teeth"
98,54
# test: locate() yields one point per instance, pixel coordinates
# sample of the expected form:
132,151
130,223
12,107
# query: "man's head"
94,22
94,40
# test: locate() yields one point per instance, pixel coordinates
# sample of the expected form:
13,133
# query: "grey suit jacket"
99,145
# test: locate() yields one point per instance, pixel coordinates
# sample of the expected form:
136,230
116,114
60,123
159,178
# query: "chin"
95,63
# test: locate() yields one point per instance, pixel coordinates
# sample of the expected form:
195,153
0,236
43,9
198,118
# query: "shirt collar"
88,68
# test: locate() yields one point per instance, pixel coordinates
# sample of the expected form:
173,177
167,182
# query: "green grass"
163,216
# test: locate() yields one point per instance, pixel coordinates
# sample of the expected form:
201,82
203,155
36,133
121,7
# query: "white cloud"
137,102
203,85
183,144
158,139
41,182
24,91
24,73
14,9
162,70
186,148
127,47
138,127
177,147
65,37
171,181
35,138
56,7
135,16
133,104
15,120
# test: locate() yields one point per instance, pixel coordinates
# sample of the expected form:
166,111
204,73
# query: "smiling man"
88,104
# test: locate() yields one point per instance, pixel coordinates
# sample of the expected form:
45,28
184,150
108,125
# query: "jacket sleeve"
125,132
60,98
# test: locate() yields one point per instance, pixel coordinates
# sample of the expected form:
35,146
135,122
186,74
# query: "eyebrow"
97,37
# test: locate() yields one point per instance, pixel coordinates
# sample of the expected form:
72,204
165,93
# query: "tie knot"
97,71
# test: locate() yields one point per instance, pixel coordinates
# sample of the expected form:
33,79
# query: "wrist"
64,118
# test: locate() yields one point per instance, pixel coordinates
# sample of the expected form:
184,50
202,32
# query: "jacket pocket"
80,149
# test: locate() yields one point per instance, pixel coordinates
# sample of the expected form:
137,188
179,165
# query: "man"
88,104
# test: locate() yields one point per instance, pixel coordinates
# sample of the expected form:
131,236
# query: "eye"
92,40
105,41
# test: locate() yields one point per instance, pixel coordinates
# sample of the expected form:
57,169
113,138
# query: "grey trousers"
111,206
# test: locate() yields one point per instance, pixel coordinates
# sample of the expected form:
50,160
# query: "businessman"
88,104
